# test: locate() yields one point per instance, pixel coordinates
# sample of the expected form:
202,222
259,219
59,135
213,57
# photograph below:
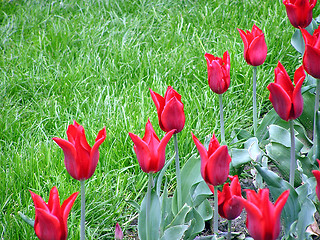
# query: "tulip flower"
80,159
118,235
214,168
286,99
255,48
299,12
230,206
51,218
218,72
316,174
170,110
150,150
214,162
311,56
263,218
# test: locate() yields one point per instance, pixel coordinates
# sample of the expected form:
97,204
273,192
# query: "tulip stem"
316,109
254,88
215,213
229,229
148,206
221,120
82,222
177,171
292,157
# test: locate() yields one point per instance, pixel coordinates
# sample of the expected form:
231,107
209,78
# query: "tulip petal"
54,202
307,37
170,93
94,154
310,59
67,205
149,132
47,226
172,116
245,42
209,57
213,145
70,157
280,100
297,98
316,174
159,103
216,78
217,168
203,153
257,51
142,152
282,78
161,156
39,202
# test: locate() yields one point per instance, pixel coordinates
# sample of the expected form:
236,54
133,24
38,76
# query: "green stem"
293,156
148,206
229,229
178,171
83,202
221,119
254,84
316,109
215,213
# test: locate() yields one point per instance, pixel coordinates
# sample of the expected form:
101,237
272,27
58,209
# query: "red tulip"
299,12
218,72
170,110
214,162
230,206
263,218
311,56
51,219
150,150
118,235
255,48
285,98
79,158
316,174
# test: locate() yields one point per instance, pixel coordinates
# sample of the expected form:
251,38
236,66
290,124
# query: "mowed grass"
94,62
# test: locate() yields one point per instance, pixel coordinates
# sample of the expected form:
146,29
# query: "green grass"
94,62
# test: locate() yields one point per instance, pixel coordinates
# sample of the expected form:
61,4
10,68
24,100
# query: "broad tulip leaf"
190,175
196,226
205,210
307,115
154,220
179,219
317,151
166,213
161,174
281,135
270,118
297,41
26,219
239,157
199,192
175,232
307,209
277,186
253,148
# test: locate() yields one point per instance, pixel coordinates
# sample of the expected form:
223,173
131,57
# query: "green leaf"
190,175
308,209
270,118
307,115
26,219
166,213
297,41
175,232
154,216
196,226
199,192
239,157
252,145
277,186
161,174
179,219
281,135
205,210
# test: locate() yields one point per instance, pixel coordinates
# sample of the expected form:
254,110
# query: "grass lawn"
94,62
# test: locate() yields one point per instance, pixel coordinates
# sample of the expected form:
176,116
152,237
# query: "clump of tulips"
182,214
